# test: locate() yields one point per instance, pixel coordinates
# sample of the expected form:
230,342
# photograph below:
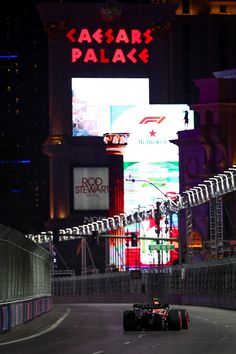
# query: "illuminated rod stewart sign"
134,45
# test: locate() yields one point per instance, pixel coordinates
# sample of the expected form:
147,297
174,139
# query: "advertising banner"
151,171
90,188
151,160
92,99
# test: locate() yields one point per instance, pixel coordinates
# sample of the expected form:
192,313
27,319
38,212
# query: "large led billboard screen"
151,160
151,171
93,97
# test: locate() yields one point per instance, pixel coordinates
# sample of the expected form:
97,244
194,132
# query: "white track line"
55,325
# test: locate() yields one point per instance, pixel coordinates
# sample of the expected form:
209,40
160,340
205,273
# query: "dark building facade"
24,119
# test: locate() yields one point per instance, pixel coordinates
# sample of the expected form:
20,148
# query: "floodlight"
193,193
224,182
233,181
111,223
86,230
206,189
212,187
117,220
201,191
189,195
75,230
101,227
217,183
123,219
106,224
81,230
90,228
227,179
95,226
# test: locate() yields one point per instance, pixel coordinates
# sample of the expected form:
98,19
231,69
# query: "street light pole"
159,190
144,180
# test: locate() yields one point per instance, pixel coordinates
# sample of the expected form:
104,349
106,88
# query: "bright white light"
222,181
212,186
201,192
189,196
206,189
193,193
227,178
217,183
92,99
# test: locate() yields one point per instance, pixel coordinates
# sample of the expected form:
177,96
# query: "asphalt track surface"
97,329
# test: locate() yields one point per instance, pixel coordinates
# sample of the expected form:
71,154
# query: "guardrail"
25,279
210,283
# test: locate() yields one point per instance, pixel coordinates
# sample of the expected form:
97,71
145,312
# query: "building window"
186,38
223,9
185,6
223,34
223,46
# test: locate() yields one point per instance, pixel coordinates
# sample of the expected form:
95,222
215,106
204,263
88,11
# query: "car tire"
185,319
174,320
129,321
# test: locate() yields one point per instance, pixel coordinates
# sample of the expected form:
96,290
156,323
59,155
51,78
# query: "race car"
155,316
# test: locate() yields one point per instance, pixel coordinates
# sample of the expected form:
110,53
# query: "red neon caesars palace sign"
127,45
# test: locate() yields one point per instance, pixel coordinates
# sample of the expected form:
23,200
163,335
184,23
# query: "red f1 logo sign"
156,120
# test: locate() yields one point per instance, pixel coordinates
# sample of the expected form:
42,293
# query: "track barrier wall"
211,283
27,287
25,279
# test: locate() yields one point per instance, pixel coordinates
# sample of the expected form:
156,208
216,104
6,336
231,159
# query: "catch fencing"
25,279
210,283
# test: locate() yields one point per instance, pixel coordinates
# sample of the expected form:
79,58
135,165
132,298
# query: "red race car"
155,316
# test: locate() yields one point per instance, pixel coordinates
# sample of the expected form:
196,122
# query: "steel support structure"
189,228
210,191
216,227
